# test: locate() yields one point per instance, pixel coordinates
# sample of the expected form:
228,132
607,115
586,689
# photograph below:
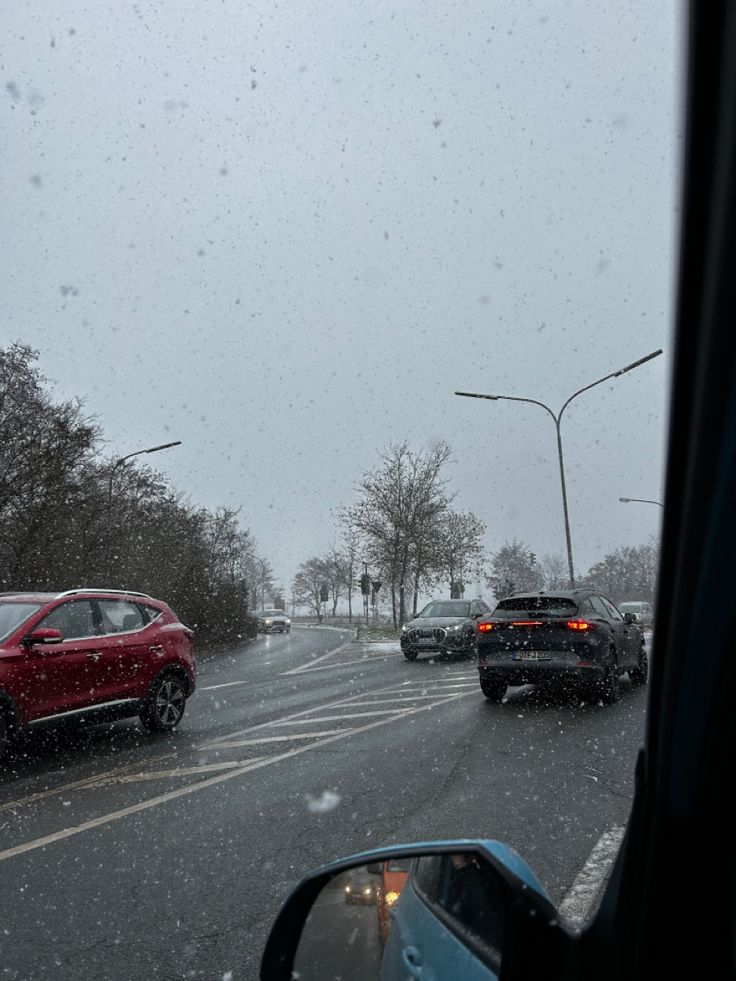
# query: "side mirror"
43,635
456,909
631,617
478,616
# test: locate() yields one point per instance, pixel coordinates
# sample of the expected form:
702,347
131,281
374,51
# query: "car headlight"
403,630
454,629
268,622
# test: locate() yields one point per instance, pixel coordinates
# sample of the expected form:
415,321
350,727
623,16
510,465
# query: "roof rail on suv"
118,592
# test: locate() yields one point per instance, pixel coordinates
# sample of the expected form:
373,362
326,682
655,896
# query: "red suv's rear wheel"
165,704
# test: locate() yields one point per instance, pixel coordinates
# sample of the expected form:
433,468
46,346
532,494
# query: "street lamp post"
122,459
557,418
119,462
640,500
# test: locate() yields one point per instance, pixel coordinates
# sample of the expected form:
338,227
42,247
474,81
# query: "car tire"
469,651
493,690
609,687
410,655
640,674
164,707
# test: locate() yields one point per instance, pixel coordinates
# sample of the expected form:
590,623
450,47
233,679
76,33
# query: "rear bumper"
540,672
584,664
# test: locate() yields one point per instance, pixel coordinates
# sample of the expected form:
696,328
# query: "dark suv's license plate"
531,656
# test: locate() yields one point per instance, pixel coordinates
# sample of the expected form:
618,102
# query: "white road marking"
80,784
316,660
412,698
276,739
585,891
145,805
336,718
440,689
341,664
354,699
227,684
181,771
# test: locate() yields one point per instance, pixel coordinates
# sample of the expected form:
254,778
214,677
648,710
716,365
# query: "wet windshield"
446,610
12,615
294,295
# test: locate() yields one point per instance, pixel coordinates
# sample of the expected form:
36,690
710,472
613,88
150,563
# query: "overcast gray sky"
293,230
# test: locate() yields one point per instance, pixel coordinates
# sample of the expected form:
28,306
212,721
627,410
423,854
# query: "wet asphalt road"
130,856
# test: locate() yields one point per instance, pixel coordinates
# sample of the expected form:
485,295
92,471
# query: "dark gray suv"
576,634
443,627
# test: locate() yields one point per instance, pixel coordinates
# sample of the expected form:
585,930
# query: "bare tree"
335,575
307,585
628,573
459,550
400,504
351,548
514,568
555,574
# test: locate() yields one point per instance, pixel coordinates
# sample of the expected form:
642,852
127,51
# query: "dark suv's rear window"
552,605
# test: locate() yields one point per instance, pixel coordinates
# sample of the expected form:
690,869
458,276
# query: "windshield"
446,610
13,614
259,259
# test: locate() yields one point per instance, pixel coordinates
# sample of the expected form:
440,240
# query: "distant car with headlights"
443,627
359,887
273,621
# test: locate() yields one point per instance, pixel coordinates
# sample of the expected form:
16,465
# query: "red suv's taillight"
580,625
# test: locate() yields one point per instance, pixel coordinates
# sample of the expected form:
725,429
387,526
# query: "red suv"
89,651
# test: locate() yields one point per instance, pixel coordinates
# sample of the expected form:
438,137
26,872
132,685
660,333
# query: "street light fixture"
640,500
122,459
557,420
114,467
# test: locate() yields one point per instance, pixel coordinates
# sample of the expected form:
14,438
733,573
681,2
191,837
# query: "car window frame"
98,601
602,613
616,614
478,947
78,600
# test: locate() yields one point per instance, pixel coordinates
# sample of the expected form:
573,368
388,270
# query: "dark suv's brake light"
486,628
580,625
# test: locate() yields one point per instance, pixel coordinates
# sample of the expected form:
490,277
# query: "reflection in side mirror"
443,914
43,635
431,910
